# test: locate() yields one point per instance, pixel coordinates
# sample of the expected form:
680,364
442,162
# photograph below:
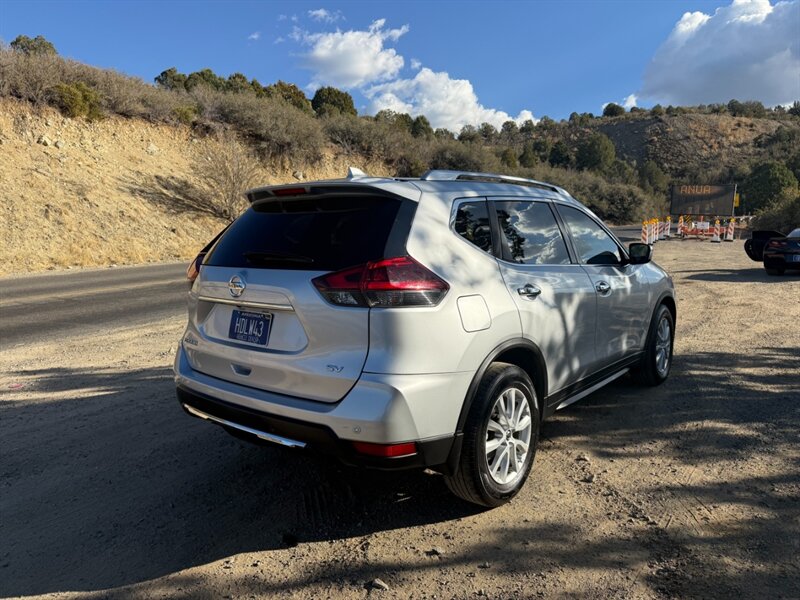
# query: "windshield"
795,233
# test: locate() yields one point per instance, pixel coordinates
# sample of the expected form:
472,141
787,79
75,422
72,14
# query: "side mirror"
640,253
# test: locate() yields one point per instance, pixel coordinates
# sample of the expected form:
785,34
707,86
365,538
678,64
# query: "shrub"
458,157
349,133
288,92
171,79
225,171
508,158
79,100
596,153
186,113
329,100
767,182
280,131
657,110
528,158
37,46
783,215
31,77
652,178
421,127
559,155
613,110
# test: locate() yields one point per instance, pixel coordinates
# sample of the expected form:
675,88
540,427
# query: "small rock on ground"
378,584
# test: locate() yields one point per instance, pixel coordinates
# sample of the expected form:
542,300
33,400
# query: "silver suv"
431,322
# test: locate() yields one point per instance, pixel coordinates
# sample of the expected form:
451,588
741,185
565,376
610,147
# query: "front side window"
530,234
472,223
594,245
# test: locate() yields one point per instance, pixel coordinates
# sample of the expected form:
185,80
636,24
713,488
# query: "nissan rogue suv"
431,322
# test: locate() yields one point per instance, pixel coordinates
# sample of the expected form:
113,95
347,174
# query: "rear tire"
774,270
500,438
657,360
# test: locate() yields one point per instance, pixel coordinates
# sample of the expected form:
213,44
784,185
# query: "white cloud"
282,17
351,59
255,36
415,64
446,102
748,50
279,40
325,16
630,101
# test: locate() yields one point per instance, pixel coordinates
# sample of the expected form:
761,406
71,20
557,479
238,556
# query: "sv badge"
334,368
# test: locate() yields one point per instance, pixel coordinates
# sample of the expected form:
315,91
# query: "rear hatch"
256,318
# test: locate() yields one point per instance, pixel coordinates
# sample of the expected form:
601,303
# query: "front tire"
500,438
657,360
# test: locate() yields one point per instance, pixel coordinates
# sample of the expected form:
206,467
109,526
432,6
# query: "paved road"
38,307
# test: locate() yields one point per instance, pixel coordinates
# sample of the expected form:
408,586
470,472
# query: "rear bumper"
782,260
385,409
287,432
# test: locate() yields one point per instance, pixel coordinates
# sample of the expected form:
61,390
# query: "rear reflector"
386,450
390,282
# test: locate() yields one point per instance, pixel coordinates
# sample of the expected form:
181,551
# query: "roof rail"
488,178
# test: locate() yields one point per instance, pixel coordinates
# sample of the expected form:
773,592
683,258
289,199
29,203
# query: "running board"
589,390
269,437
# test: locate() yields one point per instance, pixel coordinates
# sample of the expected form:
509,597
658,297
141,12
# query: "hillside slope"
118,191
691,144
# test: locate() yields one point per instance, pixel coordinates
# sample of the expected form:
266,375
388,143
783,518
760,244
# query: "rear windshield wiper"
276,257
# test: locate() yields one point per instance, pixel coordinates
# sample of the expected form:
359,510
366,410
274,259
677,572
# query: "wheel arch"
667,300
518,351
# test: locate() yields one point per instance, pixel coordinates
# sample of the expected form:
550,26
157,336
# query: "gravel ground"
689,490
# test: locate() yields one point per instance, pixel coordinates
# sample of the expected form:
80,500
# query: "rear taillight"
194,267
391,282
776,244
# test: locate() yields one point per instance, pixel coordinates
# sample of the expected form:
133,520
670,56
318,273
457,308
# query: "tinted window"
319,234
594,245
472,223
530,234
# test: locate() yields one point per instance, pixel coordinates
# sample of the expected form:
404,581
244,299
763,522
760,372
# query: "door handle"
529,291
602,287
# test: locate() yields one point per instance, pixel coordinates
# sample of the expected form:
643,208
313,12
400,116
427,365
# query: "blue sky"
455,60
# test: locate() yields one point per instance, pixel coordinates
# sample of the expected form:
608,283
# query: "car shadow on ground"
108,483
753,275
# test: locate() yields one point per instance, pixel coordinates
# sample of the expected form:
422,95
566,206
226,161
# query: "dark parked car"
782,253
755,245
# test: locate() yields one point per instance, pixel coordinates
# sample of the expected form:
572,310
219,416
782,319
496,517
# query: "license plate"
250,327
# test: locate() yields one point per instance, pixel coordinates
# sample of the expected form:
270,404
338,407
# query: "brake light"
776,244
386,450
194,267
391,282
295,191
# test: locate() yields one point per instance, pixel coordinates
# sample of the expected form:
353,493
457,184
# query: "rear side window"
594,245
472,223
314,234
530,234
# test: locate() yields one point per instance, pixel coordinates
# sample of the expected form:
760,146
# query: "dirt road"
690,490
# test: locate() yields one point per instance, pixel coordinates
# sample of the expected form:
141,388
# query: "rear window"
314,234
